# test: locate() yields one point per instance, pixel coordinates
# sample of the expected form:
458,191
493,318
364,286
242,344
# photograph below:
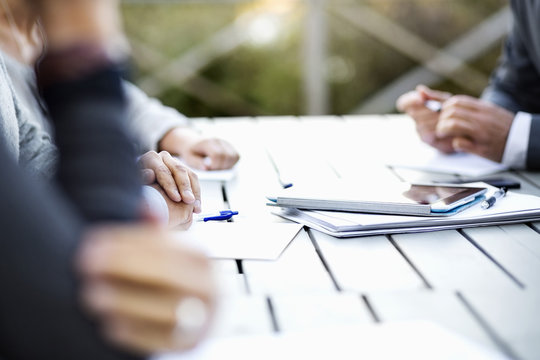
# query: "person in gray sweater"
504,125
83,236
173,189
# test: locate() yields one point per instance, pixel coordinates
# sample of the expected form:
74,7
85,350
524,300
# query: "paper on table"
407,340
425,158
216,175
240,240
213,175
513,208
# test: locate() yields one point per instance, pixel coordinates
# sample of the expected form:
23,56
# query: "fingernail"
197,206
177,195
188,195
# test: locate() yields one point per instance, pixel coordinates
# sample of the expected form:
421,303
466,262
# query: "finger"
196,161
163,175
464,145
144,338
465,102
408,100
213,149
131,302
138,256
430,94
196,187
462,126
148,176
231,155
181,176
127,335
147,157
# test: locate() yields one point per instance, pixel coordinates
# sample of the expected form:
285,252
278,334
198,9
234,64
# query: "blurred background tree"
212,58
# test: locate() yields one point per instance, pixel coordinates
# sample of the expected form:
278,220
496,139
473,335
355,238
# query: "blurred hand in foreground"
149,292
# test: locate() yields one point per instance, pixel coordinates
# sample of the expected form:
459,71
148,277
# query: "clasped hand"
178,185
464,124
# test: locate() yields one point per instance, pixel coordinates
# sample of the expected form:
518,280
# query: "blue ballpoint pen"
489,202
222,215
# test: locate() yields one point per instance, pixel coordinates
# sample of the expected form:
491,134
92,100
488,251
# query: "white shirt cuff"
515,152
156,204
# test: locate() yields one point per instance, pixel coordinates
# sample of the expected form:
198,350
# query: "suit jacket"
515,84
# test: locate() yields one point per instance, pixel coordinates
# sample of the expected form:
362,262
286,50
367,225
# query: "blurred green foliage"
267,79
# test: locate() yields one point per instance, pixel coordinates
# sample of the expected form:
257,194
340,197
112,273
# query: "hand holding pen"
424,105
489,202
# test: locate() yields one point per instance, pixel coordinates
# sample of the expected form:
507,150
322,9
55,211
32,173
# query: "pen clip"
223,215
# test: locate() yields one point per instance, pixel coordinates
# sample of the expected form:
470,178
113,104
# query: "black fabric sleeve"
41,226
97,158
515,84
533,152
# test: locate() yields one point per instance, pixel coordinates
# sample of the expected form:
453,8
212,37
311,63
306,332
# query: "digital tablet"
397,198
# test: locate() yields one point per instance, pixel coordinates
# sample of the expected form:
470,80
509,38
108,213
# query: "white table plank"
513,316
229,281
255,178
527,186
242,315
297,313
368,263
441,307
526,236
508,251
298,148
532,177
449,261
298,271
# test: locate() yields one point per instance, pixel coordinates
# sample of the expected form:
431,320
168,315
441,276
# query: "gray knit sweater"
28,133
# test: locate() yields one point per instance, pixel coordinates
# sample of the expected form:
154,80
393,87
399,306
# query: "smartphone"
443,198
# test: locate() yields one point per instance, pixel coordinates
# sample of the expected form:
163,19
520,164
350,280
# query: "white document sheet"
513,208
240,240
216,175
408,340
425,158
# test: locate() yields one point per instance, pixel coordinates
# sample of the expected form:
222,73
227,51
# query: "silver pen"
489,202
433,105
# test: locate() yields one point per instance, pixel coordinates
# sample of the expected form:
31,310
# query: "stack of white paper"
514,208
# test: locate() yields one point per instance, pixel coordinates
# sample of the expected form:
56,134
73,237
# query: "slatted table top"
483,283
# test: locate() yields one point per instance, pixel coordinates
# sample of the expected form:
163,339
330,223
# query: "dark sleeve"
515,84
97,158
533,152
41,226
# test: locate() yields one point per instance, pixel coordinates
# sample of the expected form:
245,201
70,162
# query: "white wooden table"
483,283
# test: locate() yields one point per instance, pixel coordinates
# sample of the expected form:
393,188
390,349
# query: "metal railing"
451,62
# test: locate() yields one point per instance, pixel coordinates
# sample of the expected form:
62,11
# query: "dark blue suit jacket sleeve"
515,84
